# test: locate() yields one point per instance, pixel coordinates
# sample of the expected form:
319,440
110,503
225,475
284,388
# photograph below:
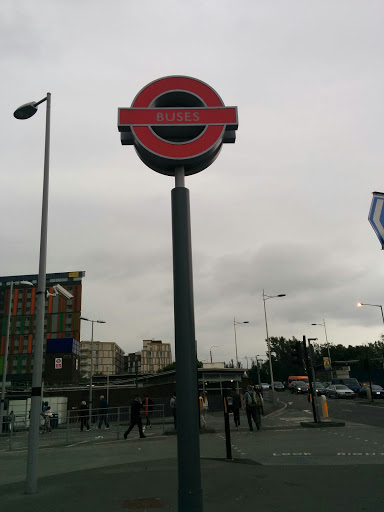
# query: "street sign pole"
188,442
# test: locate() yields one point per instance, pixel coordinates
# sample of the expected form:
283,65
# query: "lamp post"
258,368
359,304
91,369
6,349
25,112
234,327
136,369
210,351
108,384
329,353
265,298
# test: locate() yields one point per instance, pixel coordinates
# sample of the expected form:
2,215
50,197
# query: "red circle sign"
177,121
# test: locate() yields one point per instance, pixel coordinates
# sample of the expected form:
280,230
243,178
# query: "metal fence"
78,429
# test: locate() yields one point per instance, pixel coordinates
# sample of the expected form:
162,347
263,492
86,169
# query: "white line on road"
76,444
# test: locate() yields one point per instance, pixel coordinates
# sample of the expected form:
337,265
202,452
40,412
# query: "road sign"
58,363
177,121
376,216
327,363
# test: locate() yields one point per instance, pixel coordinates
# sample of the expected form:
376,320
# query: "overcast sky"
285,208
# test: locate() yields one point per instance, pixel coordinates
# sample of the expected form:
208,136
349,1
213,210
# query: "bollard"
324,409
227,430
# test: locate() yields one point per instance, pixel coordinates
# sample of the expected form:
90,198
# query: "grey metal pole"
108,385
329,352
5,358
269,354
234,327
34,424
188,442
382,315
312,369
90,380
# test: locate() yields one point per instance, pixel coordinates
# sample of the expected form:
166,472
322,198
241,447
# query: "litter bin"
54,420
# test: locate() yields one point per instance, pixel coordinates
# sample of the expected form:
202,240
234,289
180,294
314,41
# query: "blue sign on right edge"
376,216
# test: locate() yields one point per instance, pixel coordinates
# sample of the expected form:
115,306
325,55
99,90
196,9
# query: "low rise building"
132,362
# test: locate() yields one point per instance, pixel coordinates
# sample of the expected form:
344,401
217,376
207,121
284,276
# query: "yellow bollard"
325,410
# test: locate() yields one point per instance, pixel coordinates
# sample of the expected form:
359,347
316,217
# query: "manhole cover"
143,504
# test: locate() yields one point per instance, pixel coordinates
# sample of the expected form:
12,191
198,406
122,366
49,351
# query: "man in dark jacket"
83,413
236,406
103,412
136,406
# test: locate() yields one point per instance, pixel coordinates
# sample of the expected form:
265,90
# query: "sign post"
178,125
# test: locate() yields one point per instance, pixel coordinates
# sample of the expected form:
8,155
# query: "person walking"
203,402
252,405
172,403
148,407
83,414
47,415
136,406
103,412
236,406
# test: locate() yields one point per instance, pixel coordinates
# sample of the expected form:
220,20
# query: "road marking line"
81,442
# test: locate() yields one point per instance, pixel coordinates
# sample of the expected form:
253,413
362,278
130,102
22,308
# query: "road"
358,411
281,467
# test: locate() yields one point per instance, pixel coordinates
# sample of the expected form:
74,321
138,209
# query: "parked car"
349,382
339,391
320,388
265,386
279,386
299,387
377,391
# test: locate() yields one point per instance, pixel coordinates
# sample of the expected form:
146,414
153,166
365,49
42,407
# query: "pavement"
281,467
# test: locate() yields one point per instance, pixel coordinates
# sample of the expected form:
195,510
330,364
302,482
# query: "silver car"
339,391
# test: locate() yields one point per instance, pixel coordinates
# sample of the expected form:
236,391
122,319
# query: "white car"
265,386
339,391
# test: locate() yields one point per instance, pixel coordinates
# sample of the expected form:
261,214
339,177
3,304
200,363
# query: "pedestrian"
253,404
148,407
103,412
84,415
236,406
47,415
203,402
136,406
12,419
173,408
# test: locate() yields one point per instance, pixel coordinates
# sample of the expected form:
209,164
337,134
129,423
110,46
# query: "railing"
73,428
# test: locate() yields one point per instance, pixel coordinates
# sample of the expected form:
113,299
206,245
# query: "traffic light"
296,352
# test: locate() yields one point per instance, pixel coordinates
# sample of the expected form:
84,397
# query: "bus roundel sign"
177,121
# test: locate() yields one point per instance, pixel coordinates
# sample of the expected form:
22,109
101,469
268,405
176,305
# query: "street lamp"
329,353
90,373
265,298
210,351
234,327
359,304
25,112
6,349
